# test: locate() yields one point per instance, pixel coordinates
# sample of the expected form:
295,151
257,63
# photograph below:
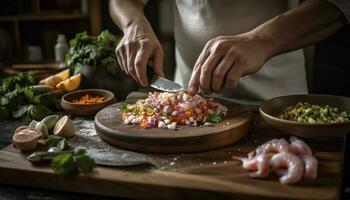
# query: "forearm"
310,22
128,13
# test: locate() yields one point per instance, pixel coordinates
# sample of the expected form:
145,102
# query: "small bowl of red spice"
87,102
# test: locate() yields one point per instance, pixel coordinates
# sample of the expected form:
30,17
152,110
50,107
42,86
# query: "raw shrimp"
299,147
272,146
311,165
259,165
310,170
292,163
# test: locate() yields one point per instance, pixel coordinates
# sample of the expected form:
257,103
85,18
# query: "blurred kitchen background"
29,30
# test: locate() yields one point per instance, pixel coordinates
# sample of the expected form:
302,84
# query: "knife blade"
162,84
111,158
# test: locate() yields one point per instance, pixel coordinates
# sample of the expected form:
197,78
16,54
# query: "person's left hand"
225,59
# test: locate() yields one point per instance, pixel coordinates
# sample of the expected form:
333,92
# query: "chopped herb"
215,118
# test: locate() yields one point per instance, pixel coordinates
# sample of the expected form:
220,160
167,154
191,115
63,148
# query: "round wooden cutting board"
235,126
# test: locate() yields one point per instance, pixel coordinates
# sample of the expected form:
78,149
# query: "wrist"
137,25
264,35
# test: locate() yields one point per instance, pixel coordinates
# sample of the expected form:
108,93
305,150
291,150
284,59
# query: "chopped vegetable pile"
308,113
18,98
167,110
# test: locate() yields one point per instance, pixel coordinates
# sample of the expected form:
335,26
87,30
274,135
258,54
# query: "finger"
220,72
120,62
233,76
206,72
119,54
130,61
123,56
193,85
141,61
158,62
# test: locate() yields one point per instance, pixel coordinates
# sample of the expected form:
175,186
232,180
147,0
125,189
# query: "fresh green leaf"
38,112
84,163
49,100
21,111
215,118
20,100
56,141
64,164
77,161
94,51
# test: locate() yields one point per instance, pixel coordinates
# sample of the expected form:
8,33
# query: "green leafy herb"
64,164
71,163
18,100
56,141
84,162
93,51
215,118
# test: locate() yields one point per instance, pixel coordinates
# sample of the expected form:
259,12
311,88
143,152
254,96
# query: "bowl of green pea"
311,116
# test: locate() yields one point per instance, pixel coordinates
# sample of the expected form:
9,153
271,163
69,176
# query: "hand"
225,59
139,46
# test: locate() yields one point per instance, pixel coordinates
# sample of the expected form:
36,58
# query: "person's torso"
197,21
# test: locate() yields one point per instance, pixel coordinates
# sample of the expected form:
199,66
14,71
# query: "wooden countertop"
207,175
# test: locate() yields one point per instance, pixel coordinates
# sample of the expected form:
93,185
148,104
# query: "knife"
161,83
111,158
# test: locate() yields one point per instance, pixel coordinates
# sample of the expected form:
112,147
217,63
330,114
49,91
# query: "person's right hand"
139,46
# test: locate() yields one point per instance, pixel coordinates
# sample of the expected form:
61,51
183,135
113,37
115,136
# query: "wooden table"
207,175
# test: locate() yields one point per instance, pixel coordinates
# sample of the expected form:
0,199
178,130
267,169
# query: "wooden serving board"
235,126
206,175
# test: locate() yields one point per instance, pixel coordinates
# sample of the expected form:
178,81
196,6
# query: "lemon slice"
63,74
70,84
55,79
51,81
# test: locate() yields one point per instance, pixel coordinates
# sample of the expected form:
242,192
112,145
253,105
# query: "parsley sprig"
72,163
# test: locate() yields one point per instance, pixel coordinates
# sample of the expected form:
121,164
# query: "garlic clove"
64,127
26,139
50,121
41,126
20,128
32,124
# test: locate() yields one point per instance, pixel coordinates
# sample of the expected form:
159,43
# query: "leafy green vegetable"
22,110
215,118
18,81
93,51
17,98
84,162
64,164
39,111
56,141
71,163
